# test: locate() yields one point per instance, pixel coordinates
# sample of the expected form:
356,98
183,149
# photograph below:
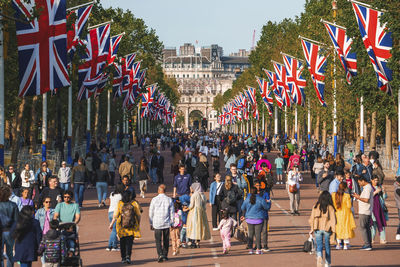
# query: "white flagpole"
263,123
138,120
276,121
2,119
69,130
108,116
361,125
88,126
309,122
44,126
286,126
295,123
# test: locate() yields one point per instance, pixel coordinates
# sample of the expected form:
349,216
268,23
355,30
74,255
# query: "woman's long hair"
228,182
338,159
324,200
24,223
253,196
339,194
143,164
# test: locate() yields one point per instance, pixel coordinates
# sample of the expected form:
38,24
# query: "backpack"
128,217
241,163
230,197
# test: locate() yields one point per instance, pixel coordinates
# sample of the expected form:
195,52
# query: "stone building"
201,75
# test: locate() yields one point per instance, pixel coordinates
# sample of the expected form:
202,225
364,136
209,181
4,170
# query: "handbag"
293,188
308,245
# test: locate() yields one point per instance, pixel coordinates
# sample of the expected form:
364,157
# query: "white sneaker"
108,249
398,237
115,249
142,196
327,264
215,229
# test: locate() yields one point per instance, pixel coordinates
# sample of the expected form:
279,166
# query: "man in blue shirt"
182,182
334,185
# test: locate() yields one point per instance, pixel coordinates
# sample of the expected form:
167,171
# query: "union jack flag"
296,82
316,63
119,78
95,59
147,99
114,45
266,94
273,82
73,35
378,42
251,95
282,85
131,89
42,46
342,44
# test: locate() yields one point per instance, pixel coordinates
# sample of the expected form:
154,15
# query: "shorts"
279,171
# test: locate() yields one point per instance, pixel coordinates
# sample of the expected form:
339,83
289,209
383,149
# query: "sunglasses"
67,197
47,202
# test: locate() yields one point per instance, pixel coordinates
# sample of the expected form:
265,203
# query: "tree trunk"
16,132
324,132
372,142
357,135
388,139
33,128
316,130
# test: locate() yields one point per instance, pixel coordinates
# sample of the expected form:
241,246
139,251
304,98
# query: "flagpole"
88,126
2,120
286,126
108,116
44,126
295,123
138,120
276,122
361,125
69,129
335,144
263,123
398,127
251,126
118,140
309,122
79,6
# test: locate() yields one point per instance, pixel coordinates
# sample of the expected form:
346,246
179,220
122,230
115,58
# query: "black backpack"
230,197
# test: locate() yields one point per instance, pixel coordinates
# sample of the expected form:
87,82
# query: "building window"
177,75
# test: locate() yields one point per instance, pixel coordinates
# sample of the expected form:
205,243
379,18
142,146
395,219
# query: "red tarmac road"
286,237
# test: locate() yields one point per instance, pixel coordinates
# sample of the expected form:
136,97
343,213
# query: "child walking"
176,228
225,227
184,239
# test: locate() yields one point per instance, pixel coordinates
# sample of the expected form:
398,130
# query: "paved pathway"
286,237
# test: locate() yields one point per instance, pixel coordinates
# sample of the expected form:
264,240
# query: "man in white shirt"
161,215
365,204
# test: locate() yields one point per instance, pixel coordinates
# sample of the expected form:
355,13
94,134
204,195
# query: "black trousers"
126,243
162,241
216,213
264,234
160,176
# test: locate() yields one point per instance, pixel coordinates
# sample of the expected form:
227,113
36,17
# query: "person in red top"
294,160
286,156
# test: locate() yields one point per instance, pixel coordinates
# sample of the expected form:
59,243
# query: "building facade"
202,73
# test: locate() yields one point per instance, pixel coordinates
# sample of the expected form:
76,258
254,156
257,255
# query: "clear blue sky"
228,23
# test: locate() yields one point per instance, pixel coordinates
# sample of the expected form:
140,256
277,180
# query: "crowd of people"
34,206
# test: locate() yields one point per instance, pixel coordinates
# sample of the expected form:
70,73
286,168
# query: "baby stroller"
72,253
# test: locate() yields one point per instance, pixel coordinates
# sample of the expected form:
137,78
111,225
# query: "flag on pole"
296,82
114,45
42,46
378,42
316,62
273,84
147,99
74,34
282,84
342,44
266,94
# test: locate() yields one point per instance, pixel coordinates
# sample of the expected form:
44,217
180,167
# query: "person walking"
160,168
51,246
197,222
253,209
79,177
293,187
127,220
15,179
102,176
143,174
67,211
176,228
317,168
215,201
323,225
45,215
126,169
112,167
379,211
28,236
345,223
325,177
230,195
225,227
279,163
161,216
115,197
9,212
396,186
201,171
64,176
365,204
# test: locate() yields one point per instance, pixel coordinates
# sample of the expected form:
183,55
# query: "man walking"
160,168
161,215
182,183
126,169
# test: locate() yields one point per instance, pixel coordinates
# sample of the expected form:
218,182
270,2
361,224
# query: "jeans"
184,238
9,242
64,186
319,236
264,234
101,188
25,264
162,241
153,175
254,230
374,229
79,190
365,229
126,247
112,241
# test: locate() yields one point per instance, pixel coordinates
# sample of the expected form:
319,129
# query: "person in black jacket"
160,168
201,171
15,179
229,195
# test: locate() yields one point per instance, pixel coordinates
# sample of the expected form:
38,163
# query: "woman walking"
197,222
379,211
345,223
323,225
102,176
293,188
127,219
143,174
64,176
229,194
254,208
28,235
